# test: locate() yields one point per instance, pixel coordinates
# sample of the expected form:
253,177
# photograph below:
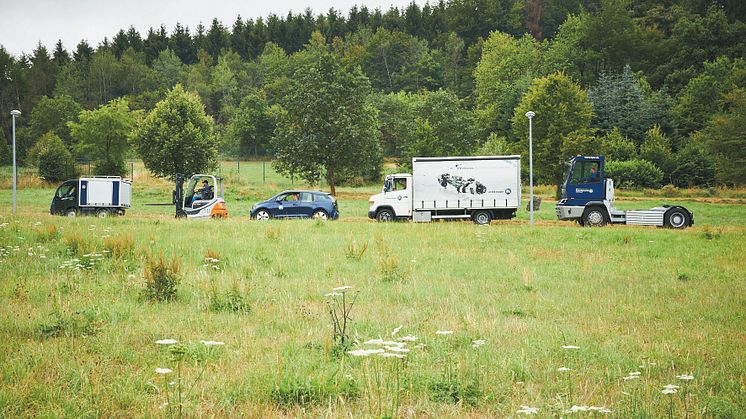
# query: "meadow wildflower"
527,410
408,338
570,347
333,294
477,343
163,371
166,342
390,355
563,369
669,391
365,352
342,288
671,387
212,343
685,377
396,349
444,332
373,342
396,330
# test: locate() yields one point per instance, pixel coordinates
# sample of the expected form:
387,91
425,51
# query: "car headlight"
253,207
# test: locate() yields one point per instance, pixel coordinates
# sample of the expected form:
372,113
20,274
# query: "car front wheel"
262,215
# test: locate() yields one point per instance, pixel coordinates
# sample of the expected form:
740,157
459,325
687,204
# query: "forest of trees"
657,86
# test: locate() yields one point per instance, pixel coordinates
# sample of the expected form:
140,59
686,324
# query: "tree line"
657,87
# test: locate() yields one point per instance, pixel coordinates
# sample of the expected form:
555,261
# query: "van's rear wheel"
385,215
595,217
71,213
481,217
102,213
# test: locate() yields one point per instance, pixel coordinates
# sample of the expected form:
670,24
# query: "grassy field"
79,331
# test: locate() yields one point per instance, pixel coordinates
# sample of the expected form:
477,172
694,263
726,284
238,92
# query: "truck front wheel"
71,213
481,217
676,218
595,217
385,215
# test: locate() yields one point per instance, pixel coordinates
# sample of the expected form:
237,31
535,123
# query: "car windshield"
66,189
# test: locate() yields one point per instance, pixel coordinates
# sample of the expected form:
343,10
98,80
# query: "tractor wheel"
595,217
676,218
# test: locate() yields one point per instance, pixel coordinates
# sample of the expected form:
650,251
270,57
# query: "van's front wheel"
385,216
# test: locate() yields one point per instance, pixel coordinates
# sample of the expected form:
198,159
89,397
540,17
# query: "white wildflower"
342,288
390,355
333,294
163,371
685,377
396,349
408,338
570,347
166,342
212,343
563,369
671,387
527,410
396,330
631,377
365,352
669,391
477,343
374,342
444,332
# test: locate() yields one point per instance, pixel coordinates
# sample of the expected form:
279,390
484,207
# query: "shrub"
52,158
119,246
616,147
161,278
78,245
46,233
233,301
79,323
634,174
695,166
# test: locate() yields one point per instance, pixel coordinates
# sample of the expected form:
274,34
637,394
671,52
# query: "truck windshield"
66,190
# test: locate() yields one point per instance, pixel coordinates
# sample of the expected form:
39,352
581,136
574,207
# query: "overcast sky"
24,23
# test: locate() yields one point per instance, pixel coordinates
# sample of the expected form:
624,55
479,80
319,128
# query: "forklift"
203,197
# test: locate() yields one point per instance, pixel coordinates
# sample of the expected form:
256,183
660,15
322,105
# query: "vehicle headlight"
253,207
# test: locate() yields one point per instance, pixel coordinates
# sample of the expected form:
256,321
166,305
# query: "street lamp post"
14,113
530,115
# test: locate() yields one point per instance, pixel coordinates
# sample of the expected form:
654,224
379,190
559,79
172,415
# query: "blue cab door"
585,182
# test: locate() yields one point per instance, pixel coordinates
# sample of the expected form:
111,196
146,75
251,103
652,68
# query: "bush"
161,278
52,158
110,166
634,174
694,166
233,301
616,147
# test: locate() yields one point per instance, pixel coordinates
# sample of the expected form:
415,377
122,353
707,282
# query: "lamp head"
530,114
15,112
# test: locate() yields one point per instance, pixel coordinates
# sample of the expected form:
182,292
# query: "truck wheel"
71,213
481,217
102,213
594,217
385,215
676,218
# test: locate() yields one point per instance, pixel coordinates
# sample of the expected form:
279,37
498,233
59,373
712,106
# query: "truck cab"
588,198
395,199
65,200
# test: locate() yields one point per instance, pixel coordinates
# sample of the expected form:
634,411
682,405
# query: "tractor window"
585,172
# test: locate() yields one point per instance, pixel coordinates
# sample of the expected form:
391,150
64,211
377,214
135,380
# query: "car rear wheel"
262,215
320,215
385,215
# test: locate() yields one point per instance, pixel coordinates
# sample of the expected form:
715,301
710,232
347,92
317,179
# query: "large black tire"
481,217
385,215
595,216
677,218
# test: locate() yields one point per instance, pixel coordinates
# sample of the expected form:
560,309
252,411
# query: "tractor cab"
203,197
584,180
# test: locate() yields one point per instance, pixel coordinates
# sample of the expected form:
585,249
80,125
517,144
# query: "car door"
305,207
286,206
66,196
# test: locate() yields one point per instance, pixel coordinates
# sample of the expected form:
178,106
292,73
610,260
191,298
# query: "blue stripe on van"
115,193
83,192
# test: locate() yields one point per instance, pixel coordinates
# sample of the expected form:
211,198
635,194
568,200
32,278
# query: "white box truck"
481,188
99,195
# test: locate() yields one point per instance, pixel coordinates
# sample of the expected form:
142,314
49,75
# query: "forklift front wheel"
594,217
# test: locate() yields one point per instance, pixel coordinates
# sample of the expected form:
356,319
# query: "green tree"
166,69
101,135
251,126
52,158
326,127
52,115
695,166
443,127
503,75
726,138
561,108
176,136
395,114
398,61
656,148
617,147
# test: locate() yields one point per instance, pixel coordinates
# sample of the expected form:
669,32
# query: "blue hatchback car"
297,204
